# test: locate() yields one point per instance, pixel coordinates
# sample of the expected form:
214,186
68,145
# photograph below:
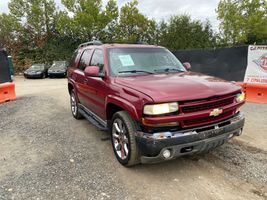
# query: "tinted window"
37,67
85,59
98,60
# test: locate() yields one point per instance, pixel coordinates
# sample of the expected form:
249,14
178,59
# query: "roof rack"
95,42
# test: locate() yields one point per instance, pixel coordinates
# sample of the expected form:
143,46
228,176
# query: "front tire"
74,106
123,130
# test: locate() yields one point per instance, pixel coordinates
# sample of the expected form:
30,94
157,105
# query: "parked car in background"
36,71
154,107
58,69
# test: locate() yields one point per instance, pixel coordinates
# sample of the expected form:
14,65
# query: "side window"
85,59
98,60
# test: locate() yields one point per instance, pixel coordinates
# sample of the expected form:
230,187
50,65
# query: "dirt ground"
46,154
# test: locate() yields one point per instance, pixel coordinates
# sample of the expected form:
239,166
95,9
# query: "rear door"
80,78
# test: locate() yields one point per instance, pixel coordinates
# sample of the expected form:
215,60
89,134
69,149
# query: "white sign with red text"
257,64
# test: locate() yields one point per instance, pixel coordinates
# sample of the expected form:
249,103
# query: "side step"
93,120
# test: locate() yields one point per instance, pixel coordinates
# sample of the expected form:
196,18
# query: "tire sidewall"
125,161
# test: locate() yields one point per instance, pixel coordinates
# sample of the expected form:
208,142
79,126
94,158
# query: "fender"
123,103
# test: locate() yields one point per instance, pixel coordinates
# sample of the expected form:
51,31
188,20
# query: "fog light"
166,153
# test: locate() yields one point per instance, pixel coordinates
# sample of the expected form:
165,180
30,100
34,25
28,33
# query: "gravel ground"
46,154
39,154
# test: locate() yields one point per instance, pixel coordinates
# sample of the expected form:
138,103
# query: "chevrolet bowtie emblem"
216,112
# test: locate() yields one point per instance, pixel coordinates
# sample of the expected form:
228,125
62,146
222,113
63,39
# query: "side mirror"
187,66
91,71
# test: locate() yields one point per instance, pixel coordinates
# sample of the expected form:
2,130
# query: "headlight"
159,109
240,97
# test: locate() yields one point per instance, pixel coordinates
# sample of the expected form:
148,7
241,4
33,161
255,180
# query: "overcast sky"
163,9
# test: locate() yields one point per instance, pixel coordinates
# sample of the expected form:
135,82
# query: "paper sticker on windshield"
126,60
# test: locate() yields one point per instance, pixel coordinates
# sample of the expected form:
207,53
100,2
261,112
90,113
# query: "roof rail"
94,42
126,42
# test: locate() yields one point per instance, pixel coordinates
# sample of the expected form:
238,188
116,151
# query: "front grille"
209,119
207,104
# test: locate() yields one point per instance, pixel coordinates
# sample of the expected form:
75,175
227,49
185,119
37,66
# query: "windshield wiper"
169,70
136,71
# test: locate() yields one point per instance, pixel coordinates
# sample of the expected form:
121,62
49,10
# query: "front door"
96,86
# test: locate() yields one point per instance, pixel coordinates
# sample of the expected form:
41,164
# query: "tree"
134,26
88,18
35,31
34,25
110,20
181,32
9,30
243,21
37,18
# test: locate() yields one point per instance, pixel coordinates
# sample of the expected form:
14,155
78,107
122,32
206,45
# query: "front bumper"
34,75
56,74
189,141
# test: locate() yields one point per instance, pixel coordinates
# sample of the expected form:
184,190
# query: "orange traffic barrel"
7,92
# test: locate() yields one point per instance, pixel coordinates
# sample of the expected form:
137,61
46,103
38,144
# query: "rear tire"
123,130
74,106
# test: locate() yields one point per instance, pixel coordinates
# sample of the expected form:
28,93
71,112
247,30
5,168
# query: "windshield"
58,65
37,67
125,61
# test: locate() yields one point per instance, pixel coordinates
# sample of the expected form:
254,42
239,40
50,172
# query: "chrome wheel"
73,104
120,139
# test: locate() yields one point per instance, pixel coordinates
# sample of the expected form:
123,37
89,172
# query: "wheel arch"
70,87
115,104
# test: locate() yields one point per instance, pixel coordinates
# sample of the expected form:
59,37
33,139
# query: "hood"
178,86
34,70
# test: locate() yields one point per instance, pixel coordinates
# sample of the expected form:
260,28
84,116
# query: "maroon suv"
153,106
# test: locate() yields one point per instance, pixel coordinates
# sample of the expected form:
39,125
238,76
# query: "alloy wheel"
73,104
120,139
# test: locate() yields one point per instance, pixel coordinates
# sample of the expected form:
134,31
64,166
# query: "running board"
100,124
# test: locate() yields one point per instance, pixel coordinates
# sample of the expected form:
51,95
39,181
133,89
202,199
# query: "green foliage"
88,19
181,32
9,28
133,26
36,31
37,15
243,21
